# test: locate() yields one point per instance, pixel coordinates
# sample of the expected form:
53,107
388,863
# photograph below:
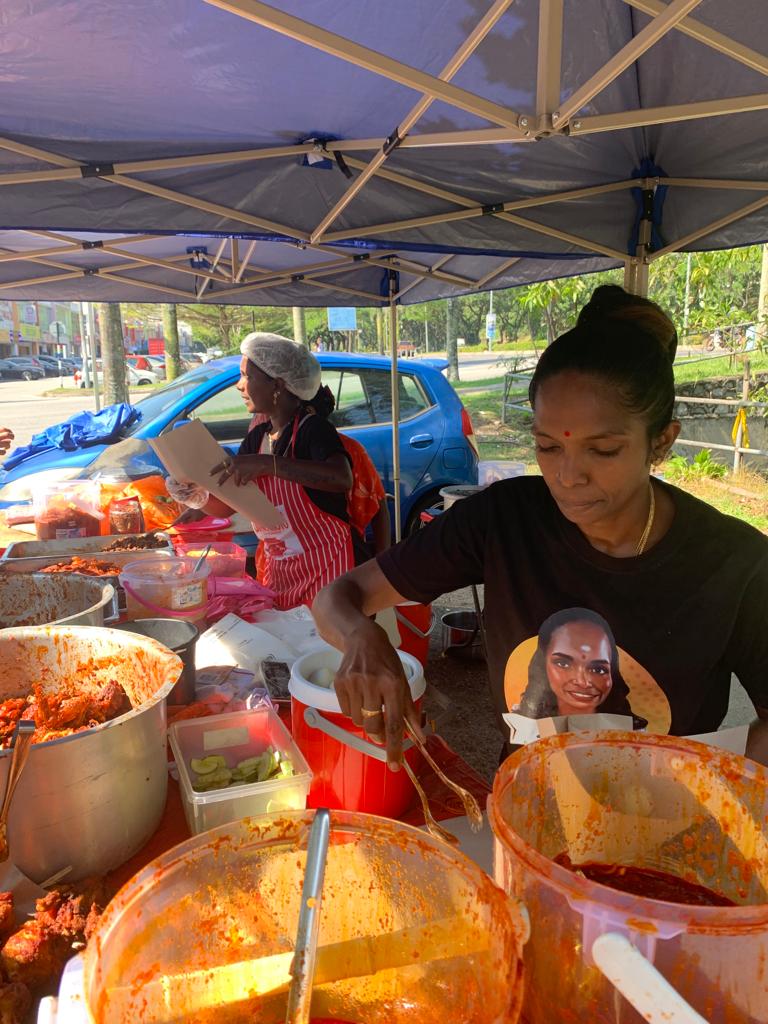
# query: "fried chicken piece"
15,1003
111,701
6,914
35,956
73,911
11,710
64,919
57,712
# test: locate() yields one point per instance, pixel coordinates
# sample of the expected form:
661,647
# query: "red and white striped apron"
311,549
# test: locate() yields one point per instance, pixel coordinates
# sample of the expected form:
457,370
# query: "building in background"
35,328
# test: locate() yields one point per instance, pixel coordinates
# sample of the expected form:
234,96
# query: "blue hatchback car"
437,446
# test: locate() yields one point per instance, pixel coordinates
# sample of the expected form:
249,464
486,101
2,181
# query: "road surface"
26,412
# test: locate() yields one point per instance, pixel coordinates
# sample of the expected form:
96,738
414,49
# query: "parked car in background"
27,364
56,366
156,364
136,378
437,445
10,369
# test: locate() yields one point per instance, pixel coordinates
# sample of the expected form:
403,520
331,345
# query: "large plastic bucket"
662,803
415,623
411,931
349,771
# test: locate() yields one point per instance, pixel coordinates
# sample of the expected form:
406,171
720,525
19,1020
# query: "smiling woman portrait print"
574,669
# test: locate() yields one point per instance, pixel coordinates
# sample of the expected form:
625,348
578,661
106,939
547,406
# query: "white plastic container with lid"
237,737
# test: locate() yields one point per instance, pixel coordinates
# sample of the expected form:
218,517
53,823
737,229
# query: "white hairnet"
280,357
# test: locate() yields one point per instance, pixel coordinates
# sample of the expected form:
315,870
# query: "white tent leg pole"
395,405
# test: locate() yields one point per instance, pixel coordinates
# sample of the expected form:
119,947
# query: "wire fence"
515,397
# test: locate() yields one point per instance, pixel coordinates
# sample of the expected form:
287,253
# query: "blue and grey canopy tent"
564,135
356,152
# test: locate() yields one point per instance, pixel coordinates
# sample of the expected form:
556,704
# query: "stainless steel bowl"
92,799
42,599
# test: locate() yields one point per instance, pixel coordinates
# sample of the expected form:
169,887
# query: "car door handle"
421,441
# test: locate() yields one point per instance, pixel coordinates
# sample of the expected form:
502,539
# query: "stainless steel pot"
89,800
55,600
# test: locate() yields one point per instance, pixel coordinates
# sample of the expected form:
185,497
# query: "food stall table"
444,803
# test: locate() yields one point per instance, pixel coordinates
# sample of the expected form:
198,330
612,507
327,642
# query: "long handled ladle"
305,954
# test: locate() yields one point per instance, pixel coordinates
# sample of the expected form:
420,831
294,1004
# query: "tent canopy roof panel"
496,130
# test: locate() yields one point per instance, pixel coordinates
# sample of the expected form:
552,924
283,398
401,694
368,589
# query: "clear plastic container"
411,931
224,558
491,470
235,737
68,509
166,588
655,802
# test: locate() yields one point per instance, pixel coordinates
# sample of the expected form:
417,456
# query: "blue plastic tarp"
83,430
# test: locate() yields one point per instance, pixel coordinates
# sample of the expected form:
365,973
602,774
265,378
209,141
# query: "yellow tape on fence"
740,421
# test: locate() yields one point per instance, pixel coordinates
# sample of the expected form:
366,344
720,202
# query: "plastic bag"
191,495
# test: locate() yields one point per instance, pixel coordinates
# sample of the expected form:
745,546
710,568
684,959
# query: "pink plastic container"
224,558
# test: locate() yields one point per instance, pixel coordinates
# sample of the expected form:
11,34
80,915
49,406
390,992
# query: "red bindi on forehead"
566,433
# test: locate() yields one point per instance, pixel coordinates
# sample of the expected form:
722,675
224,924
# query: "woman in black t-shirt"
683,587
297,459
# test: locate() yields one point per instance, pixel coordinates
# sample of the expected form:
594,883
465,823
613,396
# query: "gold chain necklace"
648,526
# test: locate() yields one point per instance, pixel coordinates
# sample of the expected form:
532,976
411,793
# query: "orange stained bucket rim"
576,887
274,831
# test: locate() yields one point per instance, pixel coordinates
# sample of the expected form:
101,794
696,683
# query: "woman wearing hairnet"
297,459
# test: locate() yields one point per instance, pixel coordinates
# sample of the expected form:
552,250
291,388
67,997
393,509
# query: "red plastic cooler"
350,772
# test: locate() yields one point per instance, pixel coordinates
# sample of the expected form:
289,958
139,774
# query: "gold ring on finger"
367,713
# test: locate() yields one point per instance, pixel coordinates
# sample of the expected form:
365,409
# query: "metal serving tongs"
471,806
433,826
25,891
305,954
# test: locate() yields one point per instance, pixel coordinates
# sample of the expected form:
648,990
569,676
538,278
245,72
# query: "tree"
762,301
299,325
221,326
171,336
451,345
112,352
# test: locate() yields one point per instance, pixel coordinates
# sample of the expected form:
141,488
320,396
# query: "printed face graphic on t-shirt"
575,667
578,667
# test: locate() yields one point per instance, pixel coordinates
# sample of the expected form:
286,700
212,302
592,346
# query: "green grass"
485,382
526,345
687,371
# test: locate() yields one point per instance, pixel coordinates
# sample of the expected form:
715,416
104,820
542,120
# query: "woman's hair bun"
610,303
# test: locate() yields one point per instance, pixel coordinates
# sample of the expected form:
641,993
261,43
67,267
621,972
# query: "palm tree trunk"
112,352
171,335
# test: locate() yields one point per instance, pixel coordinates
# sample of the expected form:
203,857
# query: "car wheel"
414,519
26,375
143,381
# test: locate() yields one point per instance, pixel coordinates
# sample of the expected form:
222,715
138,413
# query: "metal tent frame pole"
395,403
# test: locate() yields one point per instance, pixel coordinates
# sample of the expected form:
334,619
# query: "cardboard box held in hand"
189,453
